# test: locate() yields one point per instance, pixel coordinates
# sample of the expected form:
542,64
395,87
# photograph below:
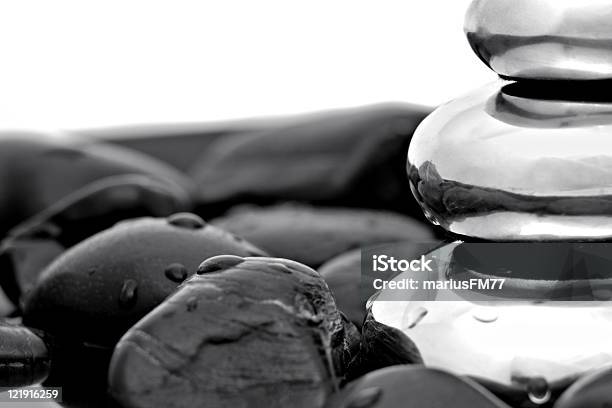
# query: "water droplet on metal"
176,272
485,314
538,390
186,220
218,263
127,297
365,398
415,316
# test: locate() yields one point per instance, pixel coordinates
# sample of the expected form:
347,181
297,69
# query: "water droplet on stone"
365,398
485,314
415,316
192,304
186,220
218,263
176,272
281,267
127,297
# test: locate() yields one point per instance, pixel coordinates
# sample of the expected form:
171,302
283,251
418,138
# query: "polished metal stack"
530,159
524,161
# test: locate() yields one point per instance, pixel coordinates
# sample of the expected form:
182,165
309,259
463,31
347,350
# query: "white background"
74,64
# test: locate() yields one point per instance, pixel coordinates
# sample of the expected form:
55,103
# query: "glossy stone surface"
543,39
36,242
383,346
314,235
99,288
262,332
343,276
36,171
518,161
24,358
413,387
515,342
335,158
591,391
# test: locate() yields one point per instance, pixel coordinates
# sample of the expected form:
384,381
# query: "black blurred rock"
343,276
179,144
348,357
521,393
383,346
591,391
314,235
81,371
413,387
24,357
99,288
32,245
254,332
36,172
350,157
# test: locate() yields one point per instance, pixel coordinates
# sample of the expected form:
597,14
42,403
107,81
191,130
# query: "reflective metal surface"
518,161
512,343
543,39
